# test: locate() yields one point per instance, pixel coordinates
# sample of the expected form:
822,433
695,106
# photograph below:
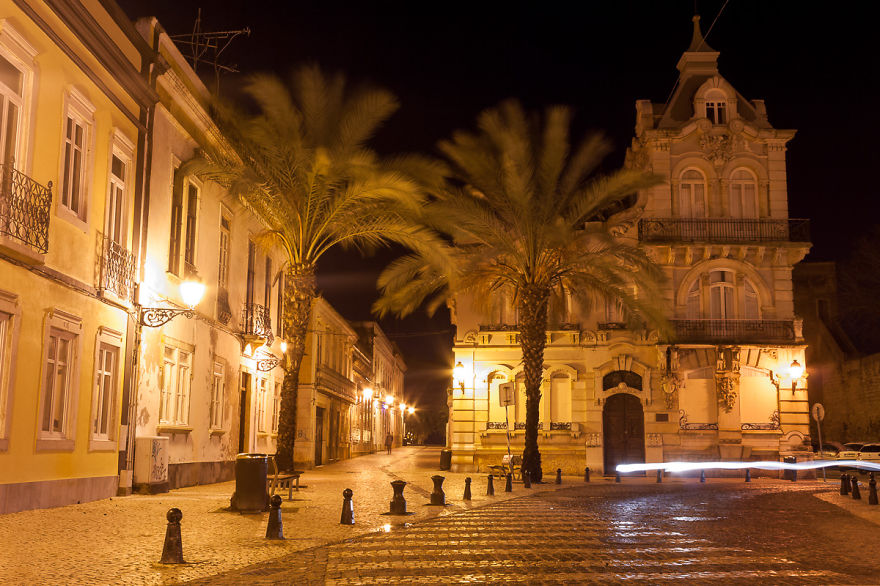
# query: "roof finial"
698,43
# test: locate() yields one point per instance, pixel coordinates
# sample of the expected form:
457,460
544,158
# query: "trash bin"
445,459
251,492
790,474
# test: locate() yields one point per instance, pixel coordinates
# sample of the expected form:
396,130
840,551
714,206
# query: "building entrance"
623,426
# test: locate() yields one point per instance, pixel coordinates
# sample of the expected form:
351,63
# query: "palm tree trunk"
299,292
533,304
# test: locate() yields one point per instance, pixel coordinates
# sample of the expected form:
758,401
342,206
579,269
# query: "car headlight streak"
764,465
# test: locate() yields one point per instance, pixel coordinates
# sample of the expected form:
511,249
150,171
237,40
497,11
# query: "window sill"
173,429
68,215
55,445
217,432
102,445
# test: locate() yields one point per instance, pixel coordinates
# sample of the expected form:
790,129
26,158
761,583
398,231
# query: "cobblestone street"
600,533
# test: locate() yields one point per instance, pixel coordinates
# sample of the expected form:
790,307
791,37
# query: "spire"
698,43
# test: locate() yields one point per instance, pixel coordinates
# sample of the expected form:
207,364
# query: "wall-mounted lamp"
368,394
796,371
458,375
389,400
191,291
410,410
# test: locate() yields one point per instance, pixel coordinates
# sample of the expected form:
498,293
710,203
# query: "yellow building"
727,384
73,108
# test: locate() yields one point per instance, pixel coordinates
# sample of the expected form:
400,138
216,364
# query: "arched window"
692,194
716,107
722,300
723,294
693,301
750,309
743,194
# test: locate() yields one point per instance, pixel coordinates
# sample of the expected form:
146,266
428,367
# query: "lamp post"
796,371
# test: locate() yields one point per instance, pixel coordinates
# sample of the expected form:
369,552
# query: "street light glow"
410,410
192,291
389,399
368,394
402,407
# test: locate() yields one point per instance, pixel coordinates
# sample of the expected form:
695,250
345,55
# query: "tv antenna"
208,47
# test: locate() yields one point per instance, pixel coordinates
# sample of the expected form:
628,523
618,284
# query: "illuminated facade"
721,387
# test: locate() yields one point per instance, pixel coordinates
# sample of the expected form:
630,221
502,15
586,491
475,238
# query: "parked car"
869,453
828,451
850,451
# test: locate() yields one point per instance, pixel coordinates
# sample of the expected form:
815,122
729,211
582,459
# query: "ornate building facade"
726,383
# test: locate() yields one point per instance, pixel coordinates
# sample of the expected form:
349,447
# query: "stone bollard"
527,479
274,528
490,487
508,487
659,475
844,484
172,552
438,497
348,508
872,490
617,476
748,475
467,489
856,493
398,503
587,474
702,475
559,476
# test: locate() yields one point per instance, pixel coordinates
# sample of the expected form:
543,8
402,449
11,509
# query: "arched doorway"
623,426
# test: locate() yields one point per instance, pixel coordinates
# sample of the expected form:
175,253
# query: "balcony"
723,230
734,331
116,271
24,209
255,321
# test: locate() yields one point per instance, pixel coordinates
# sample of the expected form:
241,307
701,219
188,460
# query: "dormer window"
716,111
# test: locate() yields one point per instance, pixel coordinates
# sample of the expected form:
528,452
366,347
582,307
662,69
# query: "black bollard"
438,497
872,490
172,552
617,476
398,503
702,476
274,528
844,484
748,475
508,487
527,479
559,476
490,487
856,493
347,508
587,474
659,475
467,489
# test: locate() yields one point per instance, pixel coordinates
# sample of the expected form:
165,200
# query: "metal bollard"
438,497
274,528
659,475
587,474
508,487
844,484
702,476
559,476
856,493
347,508
748,475
617,476
490,487
872,490
527,479
467,489
172,552
398,503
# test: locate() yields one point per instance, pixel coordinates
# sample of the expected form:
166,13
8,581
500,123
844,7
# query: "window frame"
717,107
686,194
262,392
218,395
123,149
736,192
78,109
224,233
190,229
276,407
106,340
10,326
20,53
61,325
179,397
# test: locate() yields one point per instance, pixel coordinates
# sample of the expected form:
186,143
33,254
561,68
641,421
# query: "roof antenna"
207,47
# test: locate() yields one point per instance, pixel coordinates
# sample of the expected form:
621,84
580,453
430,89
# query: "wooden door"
623,423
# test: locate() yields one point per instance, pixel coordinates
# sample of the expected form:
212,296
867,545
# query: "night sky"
814,64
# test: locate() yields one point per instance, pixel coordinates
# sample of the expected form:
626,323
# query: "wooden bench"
509,465
287,480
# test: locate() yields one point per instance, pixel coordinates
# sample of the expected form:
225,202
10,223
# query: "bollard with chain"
872,490
274,528
490,487
587,474
508,486
527,479
172,552
856,493
844,484
348,508
438,497
467,489
659,475
748,475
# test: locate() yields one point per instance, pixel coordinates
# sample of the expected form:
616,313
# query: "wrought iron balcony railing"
117,269
24,208
714,331
723,230
255,321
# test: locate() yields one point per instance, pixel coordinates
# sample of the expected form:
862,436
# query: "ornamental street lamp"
796,371
191,291
458,375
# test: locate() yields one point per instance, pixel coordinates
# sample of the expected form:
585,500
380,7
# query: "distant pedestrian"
389,440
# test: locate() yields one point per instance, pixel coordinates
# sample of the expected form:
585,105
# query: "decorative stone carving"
593,440
654,440
669,384
496,425
718,149
726,387
772,425
683,424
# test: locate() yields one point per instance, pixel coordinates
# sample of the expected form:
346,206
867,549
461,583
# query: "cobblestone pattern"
599,534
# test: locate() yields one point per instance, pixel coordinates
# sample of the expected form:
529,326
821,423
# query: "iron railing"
734,330
255,321
24,208
117,269
723,230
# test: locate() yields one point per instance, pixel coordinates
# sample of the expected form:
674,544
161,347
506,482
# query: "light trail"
762,465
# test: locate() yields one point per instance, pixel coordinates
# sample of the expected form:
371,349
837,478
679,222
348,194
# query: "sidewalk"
119,540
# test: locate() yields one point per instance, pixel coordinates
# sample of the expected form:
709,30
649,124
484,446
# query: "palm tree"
530,222
298,159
